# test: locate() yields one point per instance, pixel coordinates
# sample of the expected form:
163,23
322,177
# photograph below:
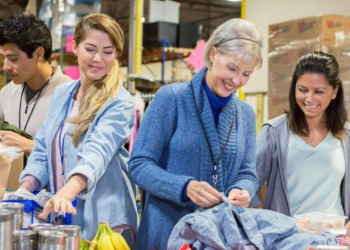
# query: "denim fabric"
225,227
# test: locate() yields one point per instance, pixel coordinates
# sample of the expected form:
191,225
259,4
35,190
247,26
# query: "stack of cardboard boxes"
288,41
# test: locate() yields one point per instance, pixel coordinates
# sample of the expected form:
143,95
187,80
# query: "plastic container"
344,240
319,222
324,247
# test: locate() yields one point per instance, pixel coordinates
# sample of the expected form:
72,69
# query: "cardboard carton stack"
342,52
289,40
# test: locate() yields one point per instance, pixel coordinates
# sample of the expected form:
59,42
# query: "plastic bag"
10,152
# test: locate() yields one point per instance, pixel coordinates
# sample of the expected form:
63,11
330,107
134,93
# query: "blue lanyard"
61,145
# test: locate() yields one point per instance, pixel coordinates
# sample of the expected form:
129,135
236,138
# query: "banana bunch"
86,245
105,239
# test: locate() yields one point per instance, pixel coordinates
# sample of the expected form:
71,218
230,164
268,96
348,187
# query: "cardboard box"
341,51
279,84
328,27
163,11
16,169
281,34
288,56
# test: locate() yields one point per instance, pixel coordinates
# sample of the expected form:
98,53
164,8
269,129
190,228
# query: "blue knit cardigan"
171,149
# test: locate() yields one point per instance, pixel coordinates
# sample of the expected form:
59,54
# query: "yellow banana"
106,239
100,229
84,245
104,243
118,241
92,245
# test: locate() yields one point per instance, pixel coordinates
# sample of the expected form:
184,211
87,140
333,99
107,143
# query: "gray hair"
236,37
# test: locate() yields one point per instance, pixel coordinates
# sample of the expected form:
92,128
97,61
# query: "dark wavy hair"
28,32
336,116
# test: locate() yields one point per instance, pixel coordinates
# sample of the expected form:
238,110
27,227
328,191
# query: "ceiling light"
234,0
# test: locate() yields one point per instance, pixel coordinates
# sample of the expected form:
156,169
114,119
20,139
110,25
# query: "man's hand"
12,139
239,197
202,194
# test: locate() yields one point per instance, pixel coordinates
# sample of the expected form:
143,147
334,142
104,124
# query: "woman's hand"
239,197
202,194
347,226
62,201
58,203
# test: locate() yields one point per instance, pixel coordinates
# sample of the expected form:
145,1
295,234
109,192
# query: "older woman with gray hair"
197,140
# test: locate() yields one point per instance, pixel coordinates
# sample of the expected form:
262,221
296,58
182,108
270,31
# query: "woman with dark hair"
302,155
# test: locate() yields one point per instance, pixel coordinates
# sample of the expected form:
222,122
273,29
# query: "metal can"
73,236
24,240
48,240
43,227
6,228
31,226
17,209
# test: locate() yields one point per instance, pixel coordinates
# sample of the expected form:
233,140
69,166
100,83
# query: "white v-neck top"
315,175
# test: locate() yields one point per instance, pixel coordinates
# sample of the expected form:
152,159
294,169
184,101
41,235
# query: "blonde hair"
236,37
108,86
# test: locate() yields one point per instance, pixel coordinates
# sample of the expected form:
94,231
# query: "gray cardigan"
272,146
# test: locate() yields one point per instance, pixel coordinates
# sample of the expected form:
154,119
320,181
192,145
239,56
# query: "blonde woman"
79,148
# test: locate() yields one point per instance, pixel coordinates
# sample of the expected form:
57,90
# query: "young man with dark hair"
26,46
